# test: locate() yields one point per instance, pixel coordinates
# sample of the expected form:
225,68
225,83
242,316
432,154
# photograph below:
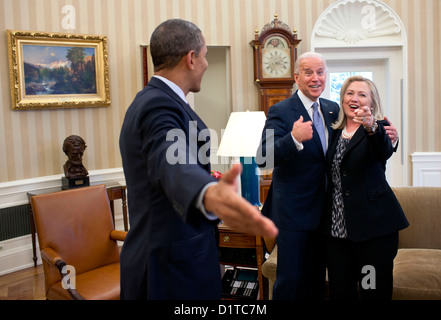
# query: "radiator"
14,222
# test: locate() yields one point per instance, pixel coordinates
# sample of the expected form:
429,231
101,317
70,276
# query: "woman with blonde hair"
362,215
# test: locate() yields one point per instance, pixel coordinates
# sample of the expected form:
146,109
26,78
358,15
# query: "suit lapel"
356,139
358,136
328,116
333,145
300,110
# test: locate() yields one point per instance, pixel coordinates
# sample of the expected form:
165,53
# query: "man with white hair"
296,196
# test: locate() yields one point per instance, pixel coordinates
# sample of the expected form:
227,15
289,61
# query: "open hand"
236,212
391,131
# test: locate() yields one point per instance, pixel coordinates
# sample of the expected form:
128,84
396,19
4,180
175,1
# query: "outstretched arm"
222,200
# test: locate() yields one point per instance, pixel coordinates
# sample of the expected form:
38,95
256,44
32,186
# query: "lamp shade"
241,139
242,135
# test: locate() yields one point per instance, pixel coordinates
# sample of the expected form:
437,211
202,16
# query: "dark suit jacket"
371,208
296,196
170,251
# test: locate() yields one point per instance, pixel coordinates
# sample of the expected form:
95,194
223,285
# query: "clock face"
276,58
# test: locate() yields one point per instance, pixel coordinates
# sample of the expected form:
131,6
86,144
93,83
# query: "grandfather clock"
275,53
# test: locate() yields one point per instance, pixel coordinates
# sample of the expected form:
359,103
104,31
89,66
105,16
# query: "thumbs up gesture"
302,131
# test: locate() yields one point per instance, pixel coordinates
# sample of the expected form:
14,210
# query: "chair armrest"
53,258
50,256
118,235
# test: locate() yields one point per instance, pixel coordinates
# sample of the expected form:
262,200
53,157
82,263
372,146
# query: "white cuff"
200,203
299,145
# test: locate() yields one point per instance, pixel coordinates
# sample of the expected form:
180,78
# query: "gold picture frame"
57,70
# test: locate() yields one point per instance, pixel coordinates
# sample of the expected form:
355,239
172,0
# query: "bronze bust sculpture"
74,147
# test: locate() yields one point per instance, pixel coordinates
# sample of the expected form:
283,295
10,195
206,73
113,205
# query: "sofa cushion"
269,271
422,206
417,274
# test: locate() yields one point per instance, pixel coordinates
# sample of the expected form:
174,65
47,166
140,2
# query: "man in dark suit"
170,251
296,196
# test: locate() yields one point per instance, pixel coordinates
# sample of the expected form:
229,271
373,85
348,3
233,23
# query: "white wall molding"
426,168
16,254
14,193
358,23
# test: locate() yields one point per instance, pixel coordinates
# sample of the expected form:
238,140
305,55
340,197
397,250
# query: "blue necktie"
318,123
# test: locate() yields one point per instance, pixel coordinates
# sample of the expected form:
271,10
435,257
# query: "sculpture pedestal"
72,183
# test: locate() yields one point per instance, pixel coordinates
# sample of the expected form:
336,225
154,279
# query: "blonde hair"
377,110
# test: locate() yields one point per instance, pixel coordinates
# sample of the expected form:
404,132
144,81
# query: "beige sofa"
417,266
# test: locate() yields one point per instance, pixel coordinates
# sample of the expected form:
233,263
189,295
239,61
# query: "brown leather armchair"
78,241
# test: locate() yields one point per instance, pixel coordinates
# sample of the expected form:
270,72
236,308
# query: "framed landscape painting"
55,70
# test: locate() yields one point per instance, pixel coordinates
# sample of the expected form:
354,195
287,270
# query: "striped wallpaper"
30,141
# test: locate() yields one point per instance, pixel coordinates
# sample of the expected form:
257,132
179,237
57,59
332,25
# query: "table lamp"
241,139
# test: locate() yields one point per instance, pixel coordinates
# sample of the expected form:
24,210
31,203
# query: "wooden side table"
229,238
118,192
115,191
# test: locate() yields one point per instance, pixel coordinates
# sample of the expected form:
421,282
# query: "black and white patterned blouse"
338,227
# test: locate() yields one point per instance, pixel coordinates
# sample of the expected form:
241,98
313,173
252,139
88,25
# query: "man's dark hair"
172,40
